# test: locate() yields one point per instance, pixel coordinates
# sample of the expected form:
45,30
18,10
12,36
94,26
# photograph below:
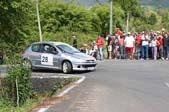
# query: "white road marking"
59,76
167,84
42,110
65,91
80,80
71,87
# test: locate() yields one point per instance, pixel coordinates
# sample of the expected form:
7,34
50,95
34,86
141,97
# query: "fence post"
17,92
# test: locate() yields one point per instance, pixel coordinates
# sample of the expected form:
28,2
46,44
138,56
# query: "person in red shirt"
138,45
160,46
100,43
118,32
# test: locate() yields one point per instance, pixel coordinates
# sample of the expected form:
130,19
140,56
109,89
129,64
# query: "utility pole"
127,26
111,17
38,17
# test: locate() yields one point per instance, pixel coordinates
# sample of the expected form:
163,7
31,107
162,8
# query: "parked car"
59,56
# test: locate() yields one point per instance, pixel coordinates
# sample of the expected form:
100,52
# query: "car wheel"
28,64
66,67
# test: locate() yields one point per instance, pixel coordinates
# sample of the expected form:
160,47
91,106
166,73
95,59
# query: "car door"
35,54
49,56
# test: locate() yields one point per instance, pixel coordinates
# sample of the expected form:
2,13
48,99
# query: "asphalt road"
120,86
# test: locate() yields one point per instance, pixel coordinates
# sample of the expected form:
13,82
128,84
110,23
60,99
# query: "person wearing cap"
129,43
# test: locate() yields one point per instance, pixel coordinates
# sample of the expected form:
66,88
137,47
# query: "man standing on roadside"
1,56
145,46
129,45
108,39
100,43
165,46
74,40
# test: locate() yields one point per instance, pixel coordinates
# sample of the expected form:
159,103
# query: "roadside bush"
17,85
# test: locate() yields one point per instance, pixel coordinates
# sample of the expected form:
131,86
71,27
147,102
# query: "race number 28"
47,59
44,59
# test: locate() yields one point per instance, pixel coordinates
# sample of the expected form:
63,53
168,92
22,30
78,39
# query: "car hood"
80,55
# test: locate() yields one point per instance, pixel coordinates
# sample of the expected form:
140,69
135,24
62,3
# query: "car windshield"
67,48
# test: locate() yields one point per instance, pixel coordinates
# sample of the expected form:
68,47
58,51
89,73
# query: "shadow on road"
59,72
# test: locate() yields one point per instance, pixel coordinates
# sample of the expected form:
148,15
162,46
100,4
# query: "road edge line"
65,91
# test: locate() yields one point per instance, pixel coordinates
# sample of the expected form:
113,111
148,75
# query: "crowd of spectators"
141,46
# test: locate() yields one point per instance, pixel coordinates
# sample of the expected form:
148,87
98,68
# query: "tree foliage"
18,21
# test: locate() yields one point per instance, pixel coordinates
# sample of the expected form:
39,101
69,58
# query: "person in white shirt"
129,43
145,45
154,47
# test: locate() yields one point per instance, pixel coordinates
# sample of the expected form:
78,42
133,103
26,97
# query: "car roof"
50,42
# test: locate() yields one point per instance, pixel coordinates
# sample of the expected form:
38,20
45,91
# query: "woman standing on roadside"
154,47
100,43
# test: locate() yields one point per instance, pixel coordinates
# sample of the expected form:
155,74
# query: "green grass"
7,106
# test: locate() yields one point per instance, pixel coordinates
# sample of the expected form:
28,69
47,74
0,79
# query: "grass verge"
6,106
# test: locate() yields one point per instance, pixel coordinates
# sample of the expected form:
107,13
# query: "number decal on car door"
44,59
47,59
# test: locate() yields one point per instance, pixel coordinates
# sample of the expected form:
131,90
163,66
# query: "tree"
152,20
15,21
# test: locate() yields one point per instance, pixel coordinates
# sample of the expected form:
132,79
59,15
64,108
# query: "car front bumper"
84,67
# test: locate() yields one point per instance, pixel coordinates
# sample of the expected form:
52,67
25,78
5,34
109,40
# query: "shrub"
17,85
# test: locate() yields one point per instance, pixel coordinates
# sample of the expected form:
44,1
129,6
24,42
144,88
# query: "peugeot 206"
58,56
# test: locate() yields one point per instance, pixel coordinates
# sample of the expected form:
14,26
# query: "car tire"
66,67
28,64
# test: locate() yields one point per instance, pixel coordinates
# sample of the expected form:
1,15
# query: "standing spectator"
108,39
160,46
129,44
144,47
118,32
121,46
152,36
74,40
166,45
138,45
93,50
154,47
100,43
1,56
110,47
116,47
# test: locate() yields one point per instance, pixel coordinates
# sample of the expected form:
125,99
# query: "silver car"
59,56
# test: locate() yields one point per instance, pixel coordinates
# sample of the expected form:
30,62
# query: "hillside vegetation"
154,3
